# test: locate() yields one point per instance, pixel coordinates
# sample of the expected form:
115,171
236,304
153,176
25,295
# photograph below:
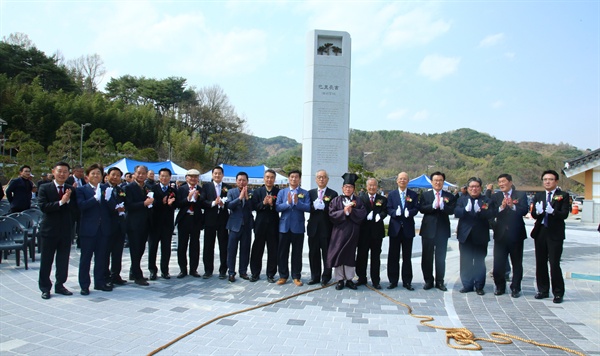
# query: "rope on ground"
464,339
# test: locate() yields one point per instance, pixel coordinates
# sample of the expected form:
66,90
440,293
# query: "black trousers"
114,252
397,244
162,235
434,251
296,241
472,264
61,247
208,257
548,252
137,245
270,237
365,244
503,250
92,246
188,233
317,253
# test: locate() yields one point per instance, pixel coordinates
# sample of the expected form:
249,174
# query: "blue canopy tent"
424,182
255,174
128,165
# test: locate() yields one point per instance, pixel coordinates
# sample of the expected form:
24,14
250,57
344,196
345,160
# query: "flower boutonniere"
326,198
224,190
122,193
378,203
516,201
446,200
557,197
408,199
300,196
484,206
249,196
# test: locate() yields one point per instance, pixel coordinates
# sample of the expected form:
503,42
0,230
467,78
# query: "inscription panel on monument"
328,120
326,154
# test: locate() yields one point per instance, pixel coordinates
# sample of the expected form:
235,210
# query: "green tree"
66,146
99,147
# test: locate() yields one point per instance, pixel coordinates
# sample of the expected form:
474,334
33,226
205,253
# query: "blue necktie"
164,188
548,201
402,196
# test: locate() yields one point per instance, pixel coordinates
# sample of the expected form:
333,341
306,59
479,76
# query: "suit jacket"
292,216
556,220
94,215
474,224
71,179
163,214
137,215
370,228
508,224
57,220
117,224
436,222
266,215
184,204
318,220
398,222
240,212
213,217
18,194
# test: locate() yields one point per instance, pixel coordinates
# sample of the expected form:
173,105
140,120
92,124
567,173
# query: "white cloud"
417,27
491,40
397,115
420,116
436,67
497,104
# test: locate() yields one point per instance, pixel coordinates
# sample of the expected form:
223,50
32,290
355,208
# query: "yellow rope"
463,338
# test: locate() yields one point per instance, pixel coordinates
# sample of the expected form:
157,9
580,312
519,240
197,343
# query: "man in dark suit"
18,192
239,224
509,233
216,216
372,232
266,228
319,228
402,206
550,211
436,205
95,230
59,204
138,204
162,224
77,179
473,211
292,202
189,223
116,240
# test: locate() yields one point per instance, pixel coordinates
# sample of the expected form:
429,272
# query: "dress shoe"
313,281
270,279
119,281
254,278
85,291
465,290
298,282
63,291
207,275
195,274
507,277
222,276
480,291
325,281
350,285
540,295
392,285
407,286
376,285
361,282
45,295
515,293
557,299
181,275
339,285
232,278
499,291
104,288
142,282
441,287
428,286
244,276
110,284
152,276
131,277
165,275
281,281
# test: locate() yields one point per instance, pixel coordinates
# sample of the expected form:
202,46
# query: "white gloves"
406,213
377,217
539,208
370,216
150,195
399,211
347,202
120,205
469,206
476,207
549,208
319,204
224,200
108,193
98,194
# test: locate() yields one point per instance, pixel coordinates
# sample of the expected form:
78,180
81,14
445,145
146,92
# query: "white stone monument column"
326,107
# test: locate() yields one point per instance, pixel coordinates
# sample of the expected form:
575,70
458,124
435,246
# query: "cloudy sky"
520,71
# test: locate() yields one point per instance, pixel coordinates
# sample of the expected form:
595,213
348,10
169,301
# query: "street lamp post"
81,142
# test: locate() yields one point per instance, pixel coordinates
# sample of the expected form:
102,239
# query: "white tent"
255,174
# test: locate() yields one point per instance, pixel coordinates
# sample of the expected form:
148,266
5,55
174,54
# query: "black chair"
36,214
30,228
13,237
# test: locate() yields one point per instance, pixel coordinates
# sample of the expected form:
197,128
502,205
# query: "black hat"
349,178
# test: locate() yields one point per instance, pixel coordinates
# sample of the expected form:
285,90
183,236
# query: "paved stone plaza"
136,320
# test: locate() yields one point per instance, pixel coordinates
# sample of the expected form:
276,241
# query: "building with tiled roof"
586,170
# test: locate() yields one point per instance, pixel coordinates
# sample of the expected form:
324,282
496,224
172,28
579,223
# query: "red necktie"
60,192
437,200
372,200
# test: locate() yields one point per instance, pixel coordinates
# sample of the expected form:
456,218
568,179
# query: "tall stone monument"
326,107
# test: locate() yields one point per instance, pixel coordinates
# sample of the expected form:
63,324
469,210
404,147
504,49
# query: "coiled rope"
456,338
